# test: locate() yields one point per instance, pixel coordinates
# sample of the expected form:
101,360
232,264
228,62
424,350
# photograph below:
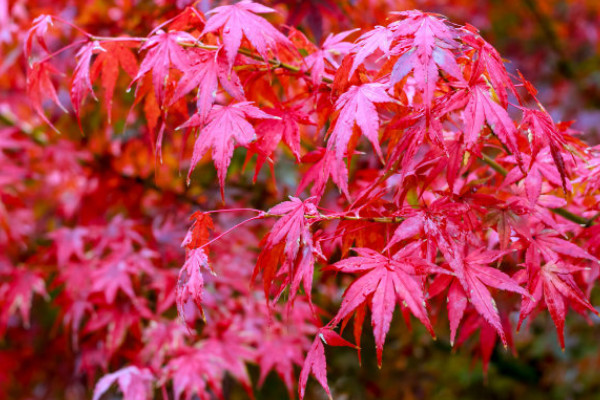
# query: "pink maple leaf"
384,283
81,84
205,71
225,126
164,51
325,166
332,46
315,362
135,383
357,105
191,283
240,20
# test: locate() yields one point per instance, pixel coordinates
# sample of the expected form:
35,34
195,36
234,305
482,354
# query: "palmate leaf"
318,60
425,42
190,284
540,171
280,352
315,362
271,132
379,38
40,86
544,133
135,383
37,33
289,242
225,127
198,234
16,294
106,67
325,166
205,71
164,52
292,226
384,283
481,108
490,64
240,20
82,85
554,283
357,105
550,273
475,277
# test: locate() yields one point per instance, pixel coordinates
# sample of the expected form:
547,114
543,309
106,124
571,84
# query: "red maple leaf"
271,132
540,171
291,227
555,284
40,86
315,362
333,45
205,71
545,242
481,108
544,133
81,84
164,51
199,232
106,66
37,32
487,336
490,63
191,284
357,105
325,166
280,351
135,383
289,234
239,20
425,43
378,38
16,294
116,272
475,276
384,283
225,126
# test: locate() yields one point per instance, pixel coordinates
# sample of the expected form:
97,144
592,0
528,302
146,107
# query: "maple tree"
408,170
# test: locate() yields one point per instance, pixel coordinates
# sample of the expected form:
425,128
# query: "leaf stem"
229,230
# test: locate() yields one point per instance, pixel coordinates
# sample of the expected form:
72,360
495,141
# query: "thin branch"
592,220
246,52
229,230
342,217
493,164
563,212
